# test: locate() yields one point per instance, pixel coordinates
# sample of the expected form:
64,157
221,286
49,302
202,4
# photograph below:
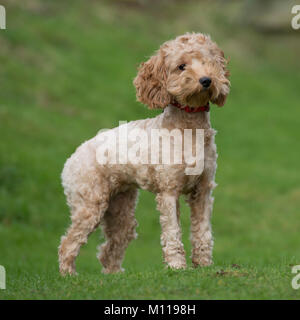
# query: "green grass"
66,71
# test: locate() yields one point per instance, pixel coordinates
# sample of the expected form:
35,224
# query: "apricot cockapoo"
183,77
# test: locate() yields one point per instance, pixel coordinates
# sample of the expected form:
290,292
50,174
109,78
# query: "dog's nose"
205,81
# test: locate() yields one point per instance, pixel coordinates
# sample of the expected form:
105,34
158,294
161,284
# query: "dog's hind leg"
86,217
118,226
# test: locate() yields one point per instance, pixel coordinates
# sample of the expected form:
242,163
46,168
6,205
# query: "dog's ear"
221,98
150,83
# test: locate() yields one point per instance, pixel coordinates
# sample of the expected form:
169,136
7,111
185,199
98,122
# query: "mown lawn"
66,71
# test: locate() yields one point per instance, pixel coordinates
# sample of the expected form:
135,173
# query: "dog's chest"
189,154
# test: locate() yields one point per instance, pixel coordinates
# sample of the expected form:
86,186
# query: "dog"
183,77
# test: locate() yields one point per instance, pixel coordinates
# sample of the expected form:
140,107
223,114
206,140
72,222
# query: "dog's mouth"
199,98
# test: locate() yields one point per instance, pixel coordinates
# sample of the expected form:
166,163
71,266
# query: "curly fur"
106,195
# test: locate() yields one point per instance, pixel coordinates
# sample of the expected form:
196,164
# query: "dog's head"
190,70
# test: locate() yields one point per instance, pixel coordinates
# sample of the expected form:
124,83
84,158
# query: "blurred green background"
66,71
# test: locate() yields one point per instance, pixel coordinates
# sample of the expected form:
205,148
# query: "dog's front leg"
201,203
173,251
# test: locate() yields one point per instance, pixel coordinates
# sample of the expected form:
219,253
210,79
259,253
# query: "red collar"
192,110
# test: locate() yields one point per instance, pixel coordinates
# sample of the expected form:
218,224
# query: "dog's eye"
182,66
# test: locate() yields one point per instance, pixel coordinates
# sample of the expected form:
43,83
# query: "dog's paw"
112,270
203,262
179,264
67,270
